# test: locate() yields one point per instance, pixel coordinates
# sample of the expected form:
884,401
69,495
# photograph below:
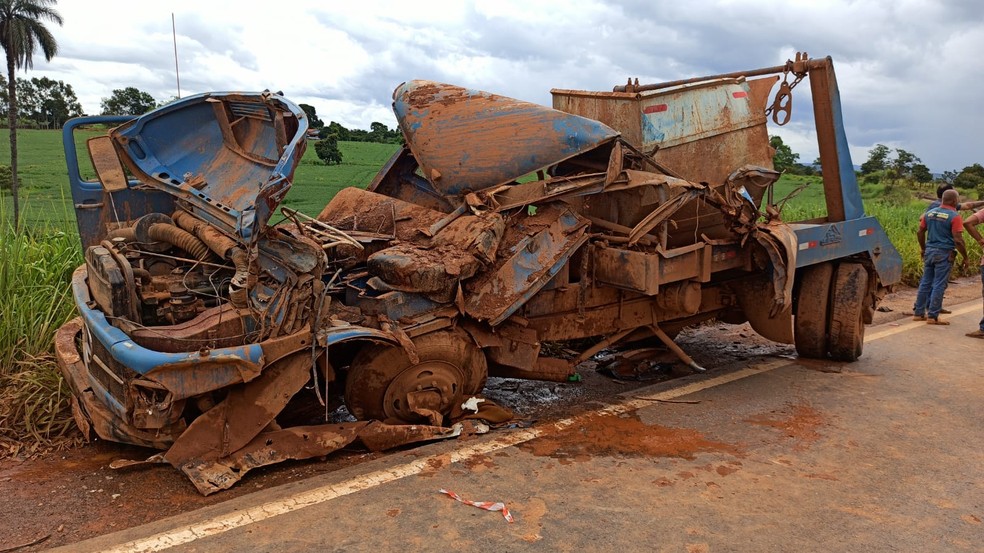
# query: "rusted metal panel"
107,164
534,249
354,209
720,122
618,110
304,442
471,140
245,412
631,270
646,273
91,412
398,178
670,118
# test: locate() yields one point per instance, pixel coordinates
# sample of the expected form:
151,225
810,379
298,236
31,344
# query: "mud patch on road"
798,422
610,435
478,463
531,519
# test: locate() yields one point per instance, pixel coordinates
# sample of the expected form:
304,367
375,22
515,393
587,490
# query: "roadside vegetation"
35,299
896,188
36,263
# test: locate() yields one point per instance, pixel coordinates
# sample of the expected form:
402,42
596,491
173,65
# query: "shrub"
6,177
327,150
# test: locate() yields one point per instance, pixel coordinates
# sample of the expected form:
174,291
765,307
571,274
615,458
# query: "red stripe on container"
739,94
656,108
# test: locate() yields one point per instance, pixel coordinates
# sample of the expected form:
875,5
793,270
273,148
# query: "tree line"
329,135
885,165
44,103
378,132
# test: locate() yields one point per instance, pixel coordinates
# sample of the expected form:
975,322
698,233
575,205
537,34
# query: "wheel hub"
426,390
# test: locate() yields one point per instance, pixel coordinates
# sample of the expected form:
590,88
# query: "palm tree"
21,33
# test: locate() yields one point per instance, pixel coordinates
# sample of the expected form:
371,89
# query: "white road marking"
238,519
971,306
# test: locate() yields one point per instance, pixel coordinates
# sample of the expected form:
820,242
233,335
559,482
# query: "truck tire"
812,308
847,312
449,364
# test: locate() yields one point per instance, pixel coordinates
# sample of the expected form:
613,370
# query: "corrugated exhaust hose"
225,248
181,238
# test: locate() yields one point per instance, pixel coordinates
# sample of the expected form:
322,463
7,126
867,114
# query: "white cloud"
908,70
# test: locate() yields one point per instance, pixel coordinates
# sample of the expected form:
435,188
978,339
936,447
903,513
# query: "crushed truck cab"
215,330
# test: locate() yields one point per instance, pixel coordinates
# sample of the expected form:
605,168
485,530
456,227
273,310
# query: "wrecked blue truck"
211,326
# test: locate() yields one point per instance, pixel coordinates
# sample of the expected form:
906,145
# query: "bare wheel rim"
381,377
432,385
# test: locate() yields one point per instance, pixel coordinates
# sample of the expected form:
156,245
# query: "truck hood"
230,156
471,140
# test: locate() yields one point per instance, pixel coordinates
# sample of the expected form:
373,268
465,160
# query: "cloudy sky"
911,72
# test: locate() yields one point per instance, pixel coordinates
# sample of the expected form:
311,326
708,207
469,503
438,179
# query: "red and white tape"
487,505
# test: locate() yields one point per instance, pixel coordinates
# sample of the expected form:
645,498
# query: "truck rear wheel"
812,310
384,384
847,312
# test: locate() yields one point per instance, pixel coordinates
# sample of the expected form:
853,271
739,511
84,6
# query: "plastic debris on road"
487,505
472,404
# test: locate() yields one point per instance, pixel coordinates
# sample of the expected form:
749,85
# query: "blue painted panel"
833,241
246,165
850,191
546,243
671,117
95,208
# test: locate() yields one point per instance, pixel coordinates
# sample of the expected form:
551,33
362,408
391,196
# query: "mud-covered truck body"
212,333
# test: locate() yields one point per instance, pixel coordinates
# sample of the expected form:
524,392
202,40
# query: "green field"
45,196
46,200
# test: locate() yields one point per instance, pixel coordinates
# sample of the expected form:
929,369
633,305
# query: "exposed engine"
156,273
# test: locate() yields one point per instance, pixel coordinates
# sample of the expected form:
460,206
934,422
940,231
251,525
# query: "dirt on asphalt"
68,496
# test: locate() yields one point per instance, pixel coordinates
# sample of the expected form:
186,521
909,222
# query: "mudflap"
774,290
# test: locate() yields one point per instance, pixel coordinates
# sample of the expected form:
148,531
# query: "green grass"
35,299
897,208
316,183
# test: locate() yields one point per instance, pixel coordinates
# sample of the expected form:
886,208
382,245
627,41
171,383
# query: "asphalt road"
880,455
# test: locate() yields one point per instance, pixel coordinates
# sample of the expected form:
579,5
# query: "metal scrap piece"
443,125
242,415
